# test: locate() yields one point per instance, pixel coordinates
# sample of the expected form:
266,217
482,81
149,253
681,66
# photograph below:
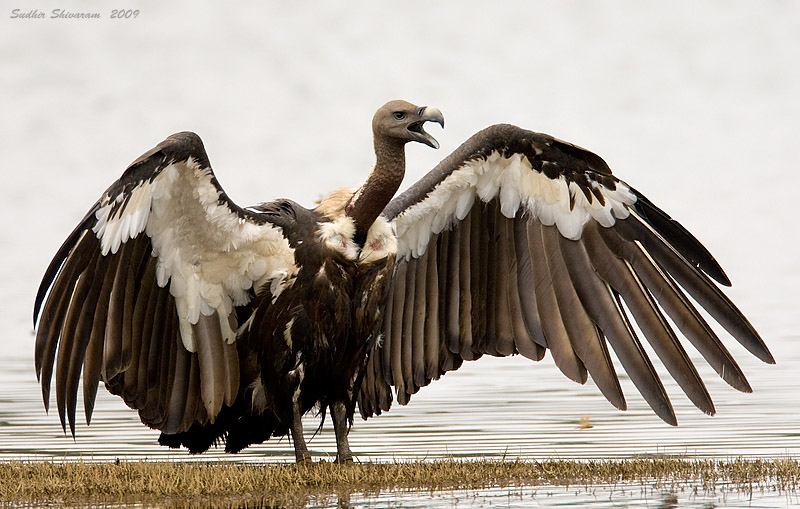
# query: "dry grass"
292,485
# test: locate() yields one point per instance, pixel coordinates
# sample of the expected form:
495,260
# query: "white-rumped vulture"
222,323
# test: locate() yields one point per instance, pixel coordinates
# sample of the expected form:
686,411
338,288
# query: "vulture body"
222,323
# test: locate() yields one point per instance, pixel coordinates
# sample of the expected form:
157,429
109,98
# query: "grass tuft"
224,483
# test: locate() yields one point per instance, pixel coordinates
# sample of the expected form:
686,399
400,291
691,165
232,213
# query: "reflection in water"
598,496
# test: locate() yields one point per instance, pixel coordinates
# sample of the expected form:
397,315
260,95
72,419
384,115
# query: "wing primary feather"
674,357
527,290
454,269
663,406
366,396
160,373
385,348
369,388
432,328
83,335
408,327
598,299
552,319
160,340
154,411
605,309
193,398
179,388
382,391
523,339
56,266
586,341
112,350
479,244
136,342
698,285
93,359
680,238
397,328
367,399
491,274
157,361
504,310
418,331
468,267
589,344
652,323
176,352
55,312
143,323
140,248
232,375
67,351
211,357
66,344
679,308
448,302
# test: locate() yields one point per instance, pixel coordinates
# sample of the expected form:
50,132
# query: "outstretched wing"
519,242
142,293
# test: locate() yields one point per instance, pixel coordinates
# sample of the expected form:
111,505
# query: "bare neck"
380,186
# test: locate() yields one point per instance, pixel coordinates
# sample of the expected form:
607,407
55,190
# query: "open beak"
426,114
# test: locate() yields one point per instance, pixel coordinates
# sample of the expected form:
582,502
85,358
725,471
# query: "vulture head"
403,121
394,124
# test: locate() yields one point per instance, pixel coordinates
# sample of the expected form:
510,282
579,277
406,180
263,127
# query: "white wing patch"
128,221
209,255
381,242
518,185
338,235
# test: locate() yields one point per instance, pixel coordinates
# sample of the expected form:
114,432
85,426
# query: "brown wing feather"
586,285
514,273
506,309
679,308
104,307
554,320
432,333
419,319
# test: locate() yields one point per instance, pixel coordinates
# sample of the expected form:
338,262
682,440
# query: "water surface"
501,408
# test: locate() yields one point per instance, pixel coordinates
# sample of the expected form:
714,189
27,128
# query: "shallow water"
696,105
499,409
597,496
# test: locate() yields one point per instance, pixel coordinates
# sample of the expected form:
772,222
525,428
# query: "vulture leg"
339,414
300,449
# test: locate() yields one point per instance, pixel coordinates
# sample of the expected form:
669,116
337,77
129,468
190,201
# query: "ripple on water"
499,408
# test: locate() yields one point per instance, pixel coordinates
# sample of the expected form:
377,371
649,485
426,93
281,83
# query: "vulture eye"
399,115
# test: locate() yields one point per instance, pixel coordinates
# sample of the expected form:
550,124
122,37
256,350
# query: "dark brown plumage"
222,323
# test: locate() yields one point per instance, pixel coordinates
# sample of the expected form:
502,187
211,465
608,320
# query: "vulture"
225,325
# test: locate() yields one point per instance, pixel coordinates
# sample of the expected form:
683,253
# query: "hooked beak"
426,114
